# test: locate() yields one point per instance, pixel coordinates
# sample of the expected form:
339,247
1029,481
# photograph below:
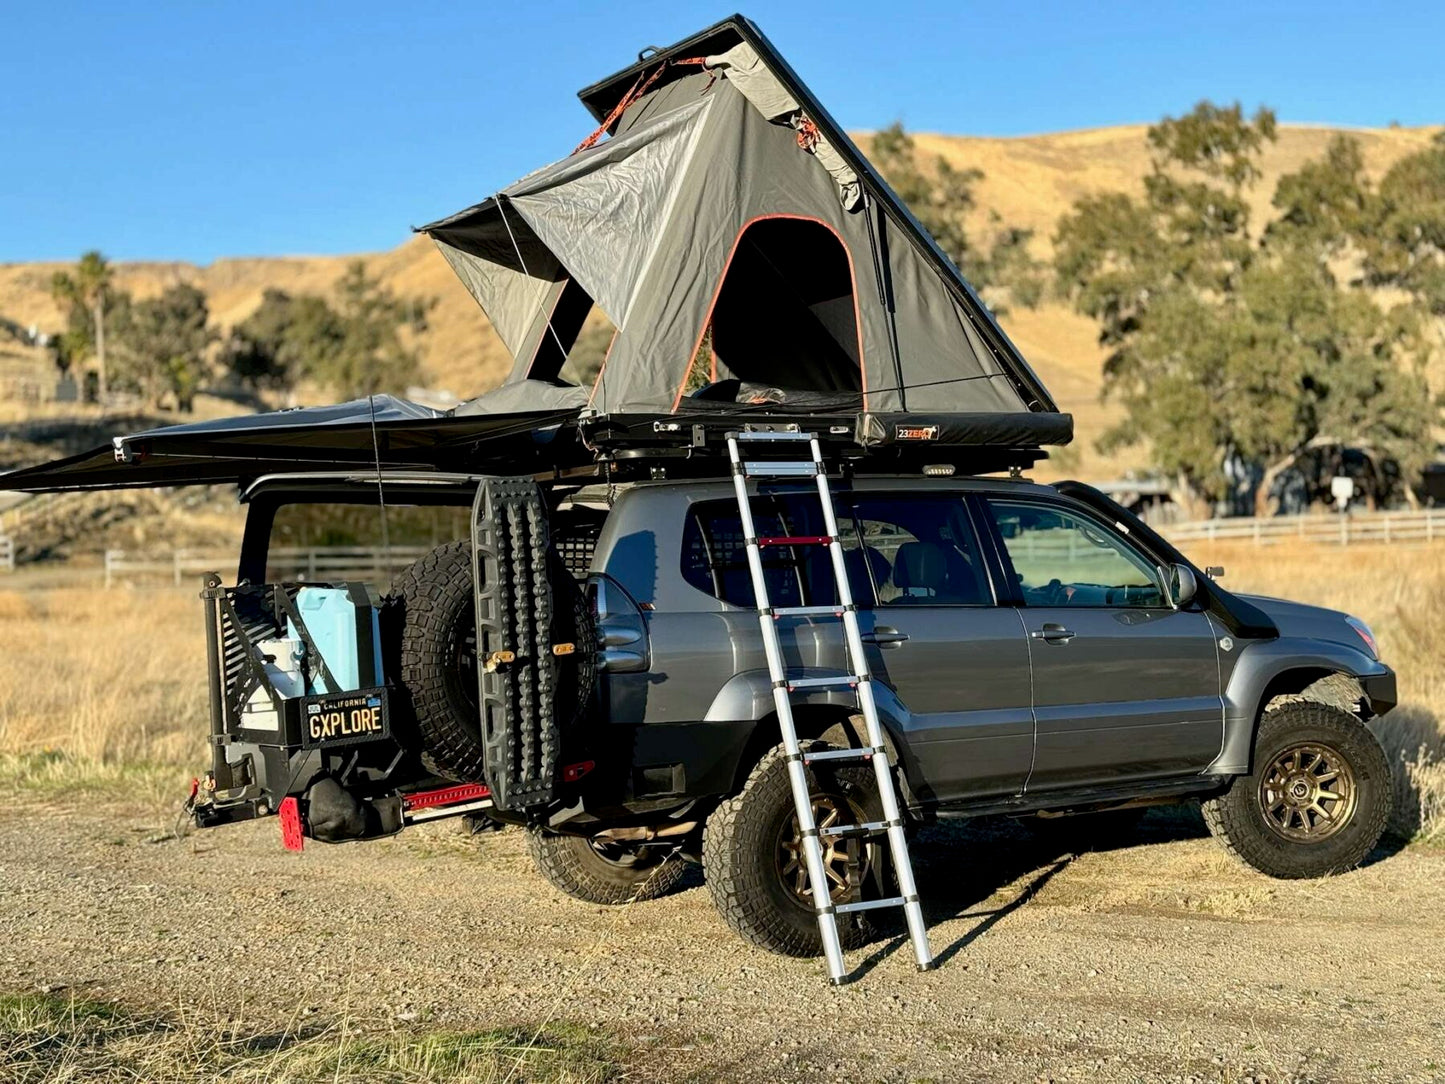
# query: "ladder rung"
797,540
866,830
869,905
824,682
806,611
779,468
749,434
868,752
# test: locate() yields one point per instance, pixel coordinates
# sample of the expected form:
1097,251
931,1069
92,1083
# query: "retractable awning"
401,435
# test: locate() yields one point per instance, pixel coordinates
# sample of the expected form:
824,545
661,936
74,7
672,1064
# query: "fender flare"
1260,667
749,696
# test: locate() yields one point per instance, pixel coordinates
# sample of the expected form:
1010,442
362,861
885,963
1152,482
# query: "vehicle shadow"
959,865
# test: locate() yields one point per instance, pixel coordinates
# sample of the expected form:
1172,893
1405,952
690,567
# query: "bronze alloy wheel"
845,861
1308,793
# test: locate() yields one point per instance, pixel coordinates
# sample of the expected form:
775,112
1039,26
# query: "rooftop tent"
735,237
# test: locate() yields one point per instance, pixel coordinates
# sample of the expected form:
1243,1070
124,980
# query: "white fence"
297,563
1424,526
325,563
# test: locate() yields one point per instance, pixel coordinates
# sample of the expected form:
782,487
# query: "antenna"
380,489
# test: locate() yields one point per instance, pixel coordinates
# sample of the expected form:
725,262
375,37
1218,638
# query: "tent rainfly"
736,239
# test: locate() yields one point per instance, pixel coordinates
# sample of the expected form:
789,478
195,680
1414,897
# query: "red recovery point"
291,835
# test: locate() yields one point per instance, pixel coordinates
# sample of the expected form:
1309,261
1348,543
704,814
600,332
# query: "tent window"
572,339
589,351
785,313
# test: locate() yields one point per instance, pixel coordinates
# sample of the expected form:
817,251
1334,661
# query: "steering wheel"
1053,593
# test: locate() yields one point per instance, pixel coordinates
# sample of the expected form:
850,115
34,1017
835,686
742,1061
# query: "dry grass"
107,689
52,1038
101,688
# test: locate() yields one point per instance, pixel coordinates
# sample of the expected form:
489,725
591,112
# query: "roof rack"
695,444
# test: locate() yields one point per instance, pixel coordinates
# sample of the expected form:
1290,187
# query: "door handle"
1053,633
884,636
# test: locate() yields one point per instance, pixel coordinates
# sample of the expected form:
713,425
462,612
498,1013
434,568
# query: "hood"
1299,619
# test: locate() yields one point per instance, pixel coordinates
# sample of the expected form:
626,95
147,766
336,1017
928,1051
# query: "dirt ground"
1160,960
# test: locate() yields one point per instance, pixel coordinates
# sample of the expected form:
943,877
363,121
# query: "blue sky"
197,130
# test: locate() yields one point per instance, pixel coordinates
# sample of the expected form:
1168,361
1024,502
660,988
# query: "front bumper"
1380,691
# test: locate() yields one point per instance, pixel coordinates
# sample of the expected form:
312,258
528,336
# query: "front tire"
1317,801
598,872
753,864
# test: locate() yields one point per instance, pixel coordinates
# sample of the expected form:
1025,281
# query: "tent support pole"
878,240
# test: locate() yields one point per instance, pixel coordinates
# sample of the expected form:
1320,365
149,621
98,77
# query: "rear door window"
316,542
921,551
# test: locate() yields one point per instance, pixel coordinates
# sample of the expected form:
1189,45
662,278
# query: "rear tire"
603,873
1317,801
752,875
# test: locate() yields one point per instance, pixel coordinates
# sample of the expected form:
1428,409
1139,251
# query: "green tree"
85,293
370,356
354,347
287,339
1225,341
1403,233
161,345
938,194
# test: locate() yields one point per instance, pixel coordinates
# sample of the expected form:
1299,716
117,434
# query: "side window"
323,542
1064,559
920,551
715,560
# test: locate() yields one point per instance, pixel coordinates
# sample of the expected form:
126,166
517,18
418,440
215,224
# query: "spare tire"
432,608
437,659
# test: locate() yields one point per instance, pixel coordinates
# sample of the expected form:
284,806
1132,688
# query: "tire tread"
563,861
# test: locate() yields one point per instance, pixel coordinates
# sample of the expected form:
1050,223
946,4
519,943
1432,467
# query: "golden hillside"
1028,182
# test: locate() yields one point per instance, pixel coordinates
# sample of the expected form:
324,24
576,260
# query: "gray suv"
1037,652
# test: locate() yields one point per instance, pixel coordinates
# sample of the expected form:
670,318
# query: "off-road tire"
572,865
739,858
433,600
1237,820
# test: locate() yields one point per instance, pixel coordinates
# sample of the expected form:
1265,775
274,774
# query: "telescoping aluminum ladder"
858,679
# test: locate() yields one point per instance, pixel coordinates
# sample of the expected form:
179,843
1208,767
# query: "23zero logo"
916,432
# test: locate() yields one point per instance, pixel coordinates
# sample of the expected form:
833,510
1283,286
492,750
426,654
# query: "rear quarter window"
715,560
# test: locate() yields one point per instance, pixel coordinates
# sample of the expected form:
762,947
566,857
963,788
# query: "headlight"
1366,635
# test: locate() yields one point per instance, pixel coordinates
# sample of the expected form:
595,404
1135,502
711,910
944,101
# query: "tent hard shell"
752,263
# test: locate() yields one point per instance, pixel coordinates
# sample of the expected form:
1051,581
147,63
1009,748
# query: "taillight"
621,626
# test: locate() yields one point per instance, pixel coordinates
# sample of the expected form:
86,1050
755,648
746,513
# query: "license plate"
344,718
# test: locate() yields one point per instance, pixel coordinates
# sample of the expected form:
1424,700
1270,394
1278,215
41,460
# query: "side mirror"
1183,585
